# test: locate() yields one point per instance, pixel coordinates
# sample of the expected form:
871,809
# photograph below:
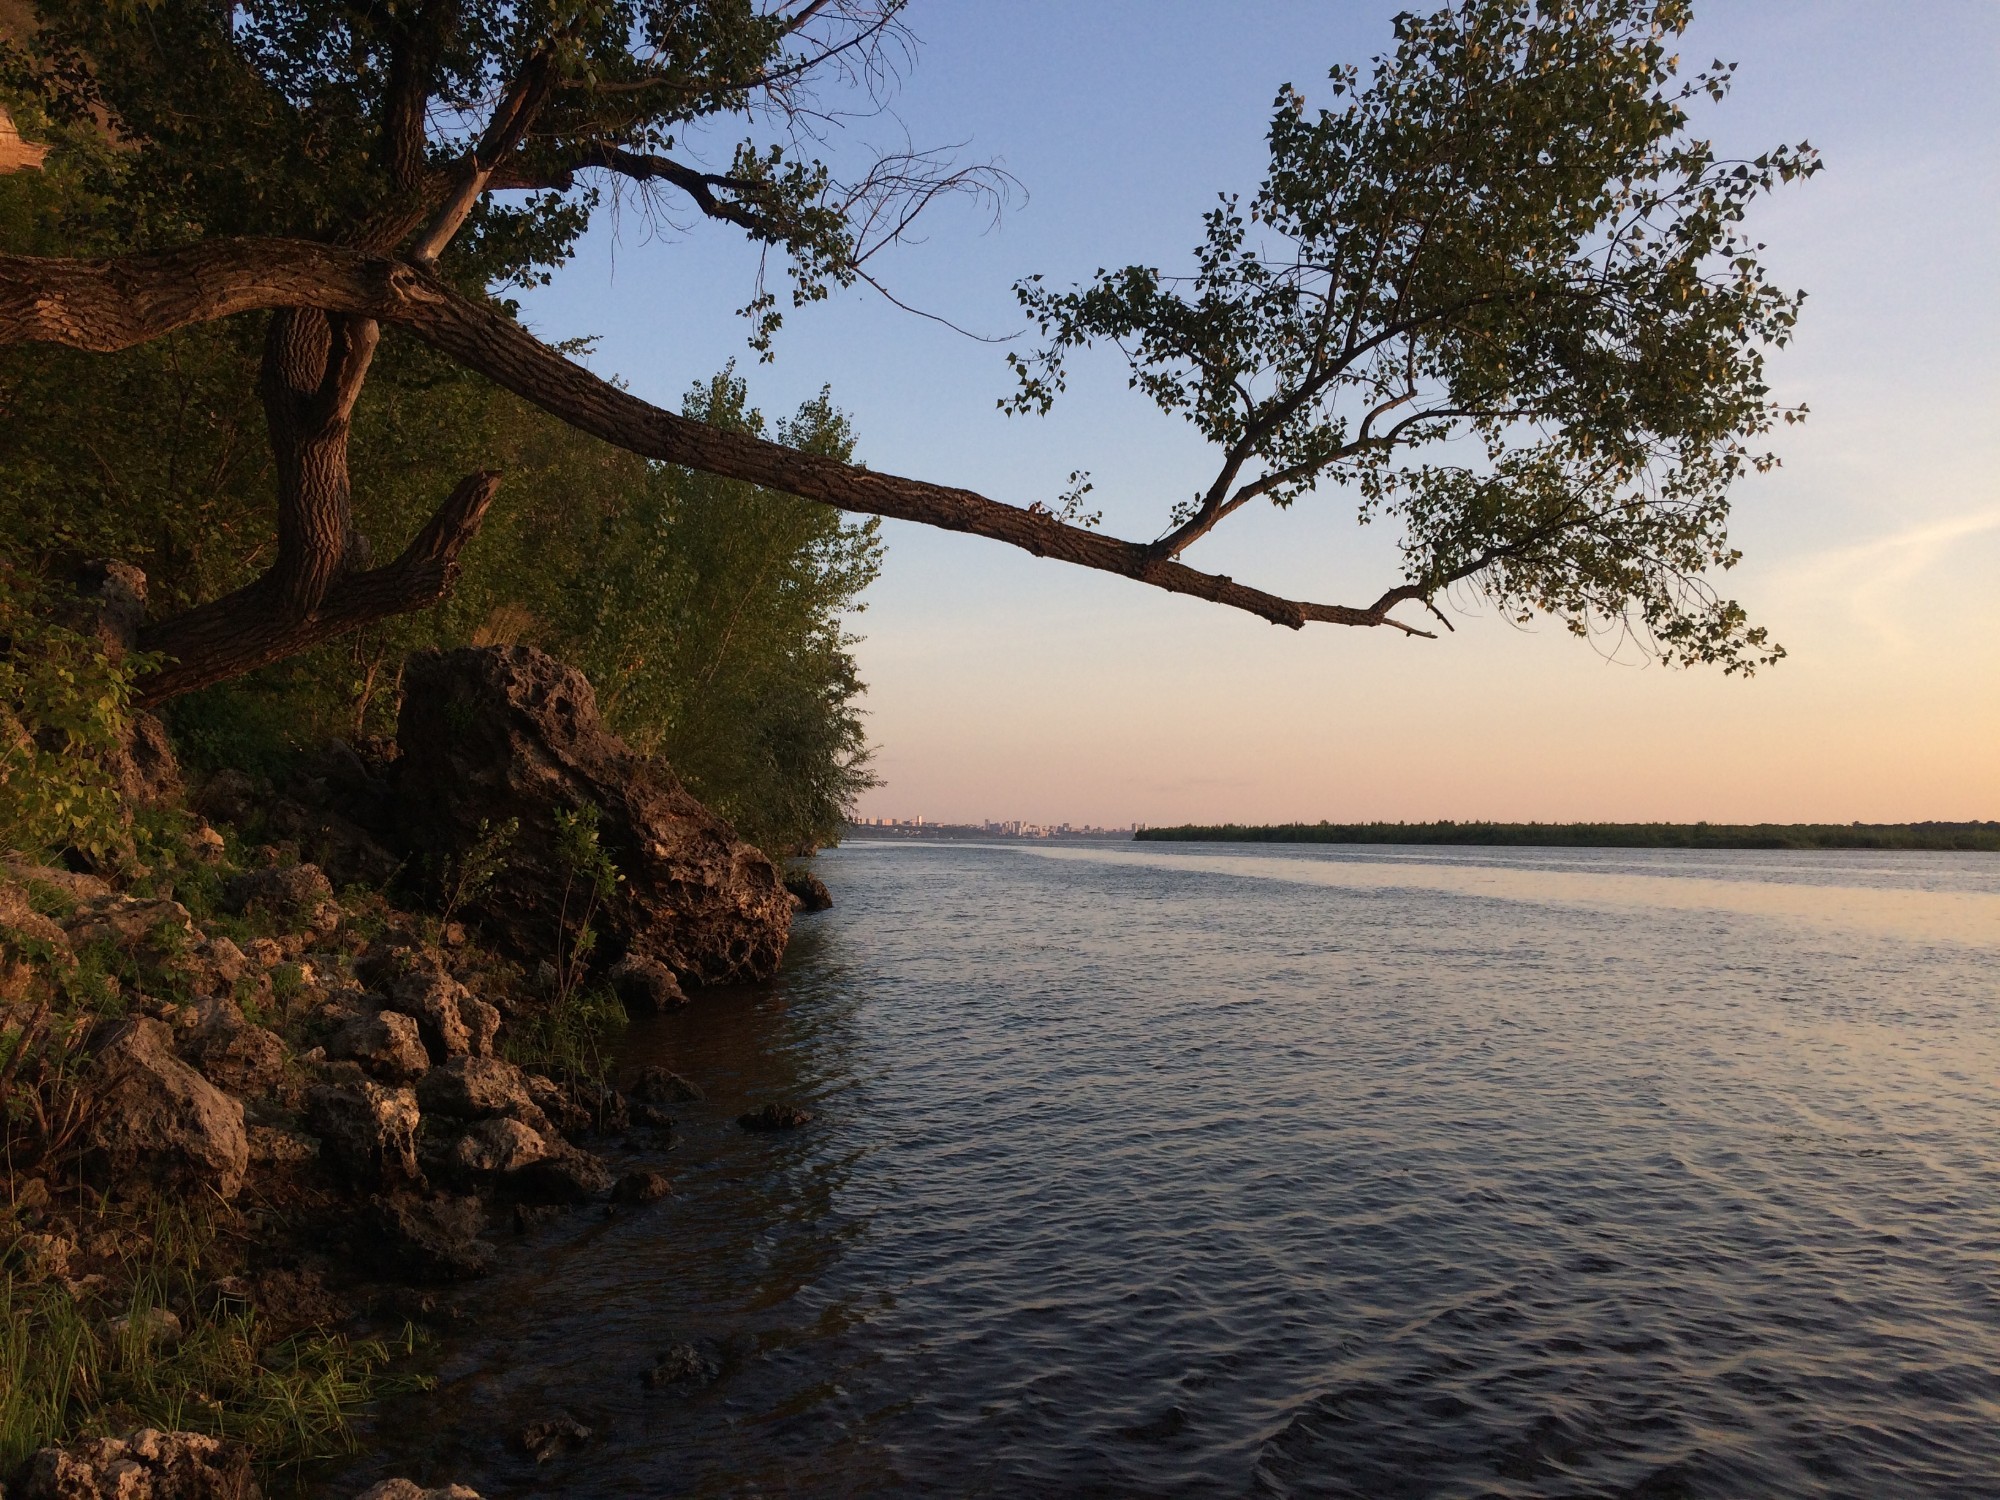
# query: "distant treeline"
1604,835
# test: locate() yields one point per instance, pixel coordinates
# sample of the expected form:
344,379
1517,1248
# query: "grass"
79,1360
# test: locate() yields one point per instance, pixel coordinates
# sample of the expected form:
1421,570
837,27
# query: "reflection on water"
1174,1170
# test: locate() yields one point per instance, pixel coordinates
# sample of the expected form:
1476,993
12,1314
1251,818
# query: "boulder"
481,1088
231,1053
492,1147
367,1132
156,1119
496,734
808,890
387,1045
427,1239
646,984
143,1465
450,1019
292,893
409,1489
564,1175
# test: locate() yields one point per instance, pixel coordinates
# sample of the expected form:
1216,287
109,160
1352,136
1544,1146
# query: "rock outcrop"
496,734
156,1120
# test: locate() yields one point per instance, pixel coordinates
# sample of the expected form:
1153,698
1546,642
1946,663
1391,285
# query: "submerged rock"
808,890
681,1366
660,1086
157,1120
143,1465
641,1186
543,1440
775,1117
493,735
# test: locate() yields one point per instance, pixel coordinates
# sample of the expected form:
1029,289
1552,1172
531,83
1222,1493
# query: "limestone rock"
491,1147
367,1131
641,1186
775,1117
409,1489
157,1119
132,922
479,1088
646,984
294,893
492,734
808,890
660,1086
233,1054
387,1045
143,1465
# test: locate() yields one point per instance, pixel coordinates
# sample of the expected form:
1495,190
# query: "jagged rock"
682,1365
274,1146
409,1489
492,734
155,1119
564,1175
452,1021
775,1117
387,1045
232,1053
156,927
427,1239
479,1088
543,1440
570,1117
491,1147
641,1186
367,1131
646,984
660,1086
143,1465
223,962
809,890
293,893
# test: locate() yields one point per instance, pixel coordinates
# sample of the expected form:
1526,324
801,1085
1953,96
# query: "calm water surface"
1232,1170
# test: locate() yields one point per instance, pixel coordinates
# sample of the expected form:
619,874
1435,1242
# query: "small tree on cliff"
1498,288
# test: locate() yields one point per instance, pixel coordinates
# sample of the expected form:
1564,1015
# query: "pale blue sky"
1003,686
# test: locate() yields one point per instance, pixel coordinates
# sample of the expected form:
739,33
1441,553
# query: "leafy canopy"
1502,291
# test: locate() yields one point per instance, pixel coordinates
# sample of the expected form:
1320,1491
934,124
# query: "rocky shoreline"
308,1053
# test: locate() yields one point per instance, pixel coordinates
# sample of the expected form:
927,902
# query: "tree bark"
114,304
254,627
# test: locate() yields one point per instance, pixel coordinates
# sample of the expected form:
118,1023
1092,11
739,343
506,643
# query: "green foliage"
1504,292
1600,835
64,700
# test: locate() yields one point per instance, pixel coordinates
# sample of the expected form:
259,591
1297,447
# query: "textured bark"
110,305
260,624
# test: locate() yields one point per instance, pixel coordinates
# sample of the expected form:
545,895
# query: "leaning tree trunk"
319,585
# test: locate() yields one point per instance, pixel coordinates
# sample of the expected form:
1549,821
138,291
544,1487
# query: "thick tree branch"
115,304
248,629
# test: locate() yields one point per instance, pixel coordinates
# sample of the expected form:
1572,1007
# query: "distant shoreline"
1944,836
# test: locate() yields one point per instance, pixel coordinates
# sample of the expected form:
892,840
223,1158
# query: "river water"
1148,1169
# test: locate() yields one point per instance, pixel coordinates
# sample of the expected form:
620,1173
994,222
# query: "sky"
1005,686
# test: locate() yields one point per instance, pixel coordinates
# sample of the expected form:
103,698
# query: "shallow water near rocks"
1233,1170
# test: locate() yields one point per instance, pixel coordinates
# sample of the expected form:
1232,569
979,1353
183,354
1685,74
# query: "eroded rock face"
231,1053
157,1120
143,1465
367,1132
387,1045
492,734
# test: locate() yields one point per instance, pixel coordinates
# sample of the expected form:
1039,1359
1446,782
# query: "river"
1146,1169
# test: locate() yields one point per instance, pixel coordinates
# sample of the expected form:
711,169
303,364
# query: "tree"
1499,288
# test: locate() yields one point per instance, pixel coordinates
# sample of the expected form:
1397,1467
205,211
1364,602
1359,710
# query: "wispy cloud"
1872,580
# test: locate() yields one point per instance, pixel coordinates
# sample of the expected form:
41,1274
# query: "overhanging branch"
107,305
